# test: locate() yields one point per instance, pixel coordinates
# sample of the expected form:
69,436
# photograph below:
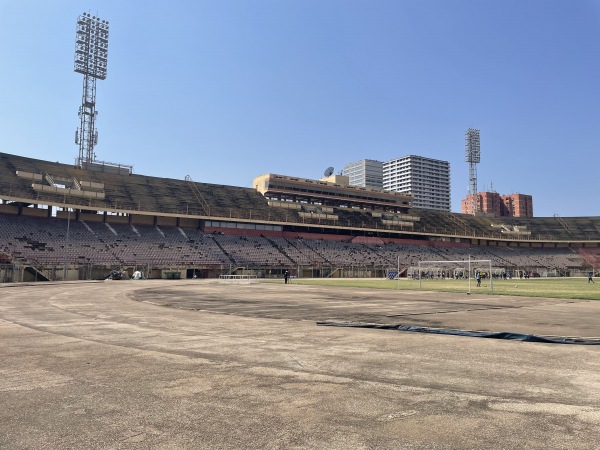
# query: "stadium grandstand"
59,221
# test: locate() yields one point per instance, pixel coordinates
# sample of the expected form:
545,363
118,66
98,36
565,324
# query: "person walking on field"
286,276
590,277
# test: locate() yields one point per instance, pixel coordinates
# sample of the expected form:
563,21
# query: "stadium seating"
140,193
306,235
43,241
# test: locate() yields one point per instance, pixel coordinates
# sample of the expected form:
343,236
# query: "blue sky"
227,90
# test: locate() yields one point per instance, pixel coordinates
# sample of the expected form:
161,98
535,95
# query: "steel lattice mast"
91,58
472,156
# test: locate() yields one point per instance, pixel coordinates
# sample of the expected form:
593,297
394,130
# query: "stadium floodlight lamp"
472,146
91,47
91,60
473,156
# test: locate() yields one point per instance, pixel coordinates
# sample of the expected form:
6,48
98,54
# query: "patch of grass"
569,288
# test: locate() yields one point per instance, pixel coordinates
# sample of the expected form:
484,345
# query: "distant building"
327,194
518,205
494,204
365,173
426,179
488,203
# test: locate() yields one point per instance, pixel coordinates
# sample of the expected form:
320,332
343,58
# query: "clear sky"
225,90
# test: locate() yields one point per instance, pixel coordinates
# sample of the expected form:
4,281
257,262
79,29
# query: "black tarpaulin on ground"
480,334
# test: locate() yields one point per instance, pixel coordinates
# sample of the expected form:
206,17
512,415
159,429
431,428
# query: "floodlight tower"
91,53
472,156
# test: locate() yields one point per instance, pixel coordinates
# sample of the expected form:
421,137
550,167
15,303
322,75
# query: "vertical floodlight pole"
473,156
91,58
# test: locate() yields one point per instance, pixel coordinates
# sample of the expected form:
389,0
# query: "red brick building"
494,204
518,205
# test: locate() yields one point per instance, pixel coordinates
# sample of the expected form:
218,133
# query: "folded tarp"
480,334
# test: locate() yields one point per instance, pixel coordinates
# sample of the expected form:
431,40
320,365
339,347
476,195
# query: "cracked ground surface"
196,364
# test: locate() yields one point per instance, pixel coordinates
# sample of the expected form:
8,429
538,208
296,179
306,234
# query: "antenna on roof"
328,172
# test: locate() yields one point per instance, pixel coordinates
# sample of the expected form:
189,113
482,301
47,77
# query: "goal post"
470,267
238,279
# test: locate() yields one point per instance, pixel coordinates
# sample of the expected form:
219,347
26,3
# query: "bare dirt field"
203,365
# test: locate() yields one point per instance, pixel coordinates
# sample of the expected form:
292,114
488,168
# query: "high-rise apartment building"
486,203
494,204
426,179
365,173
518,205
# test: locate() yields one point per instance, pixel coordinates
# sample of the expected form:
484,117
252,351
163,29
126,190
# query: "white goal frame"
238,279
469,263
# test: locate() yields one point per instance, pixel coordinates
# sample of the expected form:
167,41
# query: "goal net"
238,279
474,272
